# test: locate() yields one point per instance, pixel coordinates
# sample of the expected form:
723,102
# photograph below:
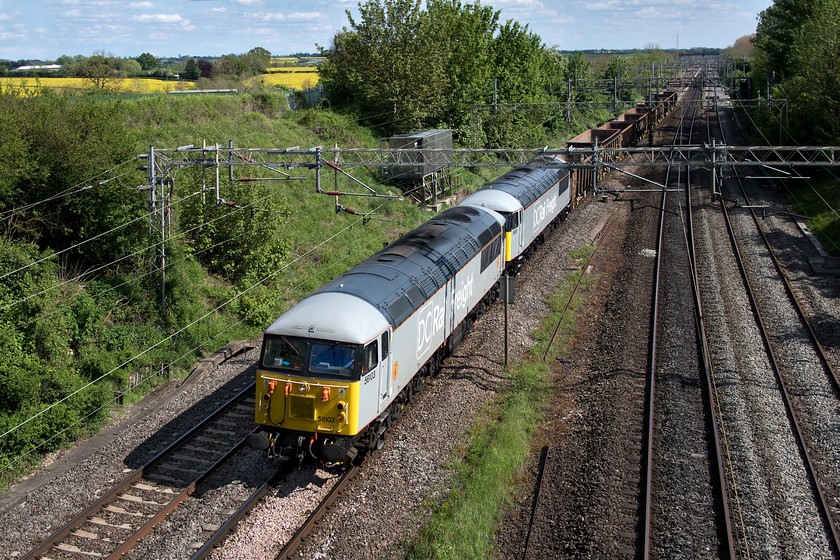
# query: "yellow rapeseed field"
121,85
292,69
298,78
293,80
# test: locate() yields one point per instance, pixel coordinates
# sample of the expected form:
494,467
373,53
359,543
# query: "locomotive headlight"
340,406
340,418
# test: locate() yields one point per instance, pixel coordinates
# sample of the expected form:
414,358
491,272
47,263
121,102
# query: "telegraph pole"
154,180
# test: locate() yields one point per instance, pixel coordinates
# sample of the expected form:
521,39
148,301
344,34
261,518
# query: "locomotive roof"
494,199
527,184
331,316
400,278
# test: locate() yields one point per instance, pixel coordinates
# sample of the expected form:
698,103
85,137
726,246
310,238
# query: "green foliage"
407,68
61,143
148,61
779,26
254,223
819,202
579,67
518,58
230,65
257,59
191,70
796,54
383,66
98,70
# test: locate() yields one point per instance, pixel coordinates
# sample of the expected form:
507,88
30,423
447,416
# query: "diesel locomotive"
337,369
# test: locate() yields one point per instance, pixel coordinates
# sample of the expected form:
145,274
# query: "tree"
191,71
205,67
618,70
413,68
99,70
518,58
231,66
148,62
257,59
386,64
742,48
797,45
463,39
813,67
127,67
778,27
579,67
68,64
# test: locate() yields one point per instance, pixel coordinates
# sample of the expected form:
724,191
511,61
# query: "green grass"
488,470
820,202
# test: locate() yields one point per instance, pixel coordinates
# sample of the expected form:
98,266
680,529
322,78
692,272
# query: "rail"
149,480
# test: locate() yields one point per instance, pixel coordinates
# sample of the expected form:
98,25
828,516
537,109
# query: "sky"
47,29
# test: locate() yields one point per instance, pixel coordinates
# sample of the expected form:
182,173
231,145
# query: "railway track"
804,402
679,416
729,540
294,543
115,523
174,477
743,521
669,397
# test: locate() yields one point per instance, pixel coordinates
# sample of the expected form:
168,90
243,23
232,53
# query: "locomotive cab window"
333,358
371,356
284,352
511,221
385,343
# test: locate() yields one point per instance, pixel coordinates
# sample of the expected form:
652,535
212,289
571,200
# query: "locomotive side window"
512,221
385,342
491,252
284,352
333,358
371,355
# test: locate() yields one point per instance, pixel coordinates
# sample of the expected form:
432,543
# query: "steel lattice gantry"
281,161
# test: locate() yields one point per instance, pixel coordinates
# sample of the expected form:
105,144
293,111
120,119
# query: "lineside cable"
135,253
89,184
182,329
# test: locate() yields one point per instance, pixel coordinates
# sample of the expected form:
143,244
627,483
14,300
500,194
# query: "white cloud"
602,6
293,17
159,18
138,5
11,36
519,3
